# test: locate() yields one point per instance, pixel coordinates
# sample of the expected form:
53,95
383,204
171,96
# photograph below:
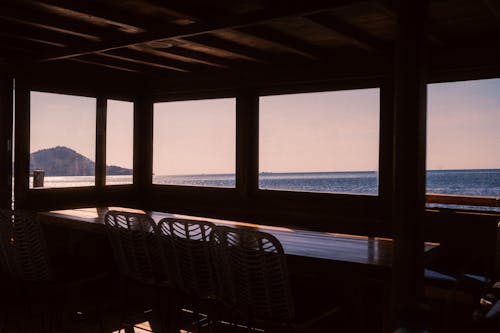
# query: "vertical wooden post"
386,146
100,152
247,143
409,159
143,146
22,146
6,112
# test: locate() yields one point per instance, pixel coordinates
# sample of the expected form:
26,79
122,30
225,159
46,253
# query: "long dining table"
358,260
367,252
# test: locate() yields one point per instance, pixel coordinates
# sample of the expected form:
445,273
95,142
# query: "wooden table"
349,249
364,263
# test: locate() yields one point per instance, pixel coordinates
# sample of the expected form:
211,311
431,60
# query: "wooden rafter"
224,44
233,21
282,40
103,64
171,53
141,61
50,27
213,51
154,59
31,39
84,11
354,35
82,16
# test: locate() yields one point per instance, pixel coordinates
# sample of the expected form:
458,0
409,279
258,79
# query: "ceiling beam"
282,40
228,22
143,62
19,14
97,14
231,46
100,62
33,19
37,40
173,53
354,35
212,51
154,59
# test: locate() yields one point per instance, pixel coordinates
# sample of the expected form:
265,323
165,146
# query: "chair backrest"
135,246
24,253
188,252
256,273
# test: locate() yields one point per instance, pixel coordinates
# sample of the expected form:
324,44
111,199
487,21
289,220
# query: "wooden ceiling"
176,39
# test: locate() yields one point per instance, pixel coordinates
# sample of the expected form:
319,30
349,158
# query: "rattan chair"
253,268
33,292
188,251
138,257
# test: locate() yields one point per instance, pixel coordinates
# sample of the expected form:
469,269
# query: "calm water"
461,182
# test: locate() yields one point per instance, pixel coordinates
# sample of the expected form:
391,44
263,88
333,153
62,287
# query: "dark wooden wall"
6,114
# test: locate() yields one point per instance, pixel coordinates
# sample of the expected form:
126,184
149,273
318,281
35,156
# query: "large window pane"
195,143
463,139
119,142
320,142
62,139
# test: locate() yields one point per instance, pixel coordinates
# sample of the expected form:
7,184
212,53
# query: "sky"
463,125
62,120
313,132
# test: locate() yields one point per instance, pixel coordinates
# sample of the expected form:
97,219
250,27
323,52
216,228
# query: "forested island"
64,161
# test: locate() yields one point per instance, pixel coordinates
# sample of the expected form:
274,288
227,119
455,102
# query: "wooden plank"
229,22
247,143
36,39
47,37
283,40
154,59
103,63
83,12
347,31
6,122
51,27
173,53
465,200
142,62
53,22
205,48
409,159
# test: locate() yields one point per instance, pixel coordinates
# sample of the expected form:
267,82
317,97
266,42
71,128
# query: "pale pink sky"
328,131
463,125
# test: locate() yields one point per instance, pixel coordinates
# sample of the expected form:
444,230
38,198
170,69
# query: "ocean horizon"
473,182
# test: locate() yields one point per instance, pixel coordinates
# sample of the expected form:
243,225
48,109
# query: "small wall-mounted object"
38,177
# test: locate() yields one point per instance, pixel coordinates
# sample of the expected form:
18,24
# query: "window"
194,143
320,142
119,142
463,139
62,140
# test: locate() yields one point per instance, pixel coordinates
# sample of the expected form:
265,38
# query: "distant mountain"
63,161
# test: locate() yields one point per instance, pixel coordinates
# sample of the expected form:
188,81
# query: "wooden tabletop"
352,249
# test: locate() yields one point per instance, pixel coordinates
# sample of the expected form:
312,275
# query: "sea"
473,182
